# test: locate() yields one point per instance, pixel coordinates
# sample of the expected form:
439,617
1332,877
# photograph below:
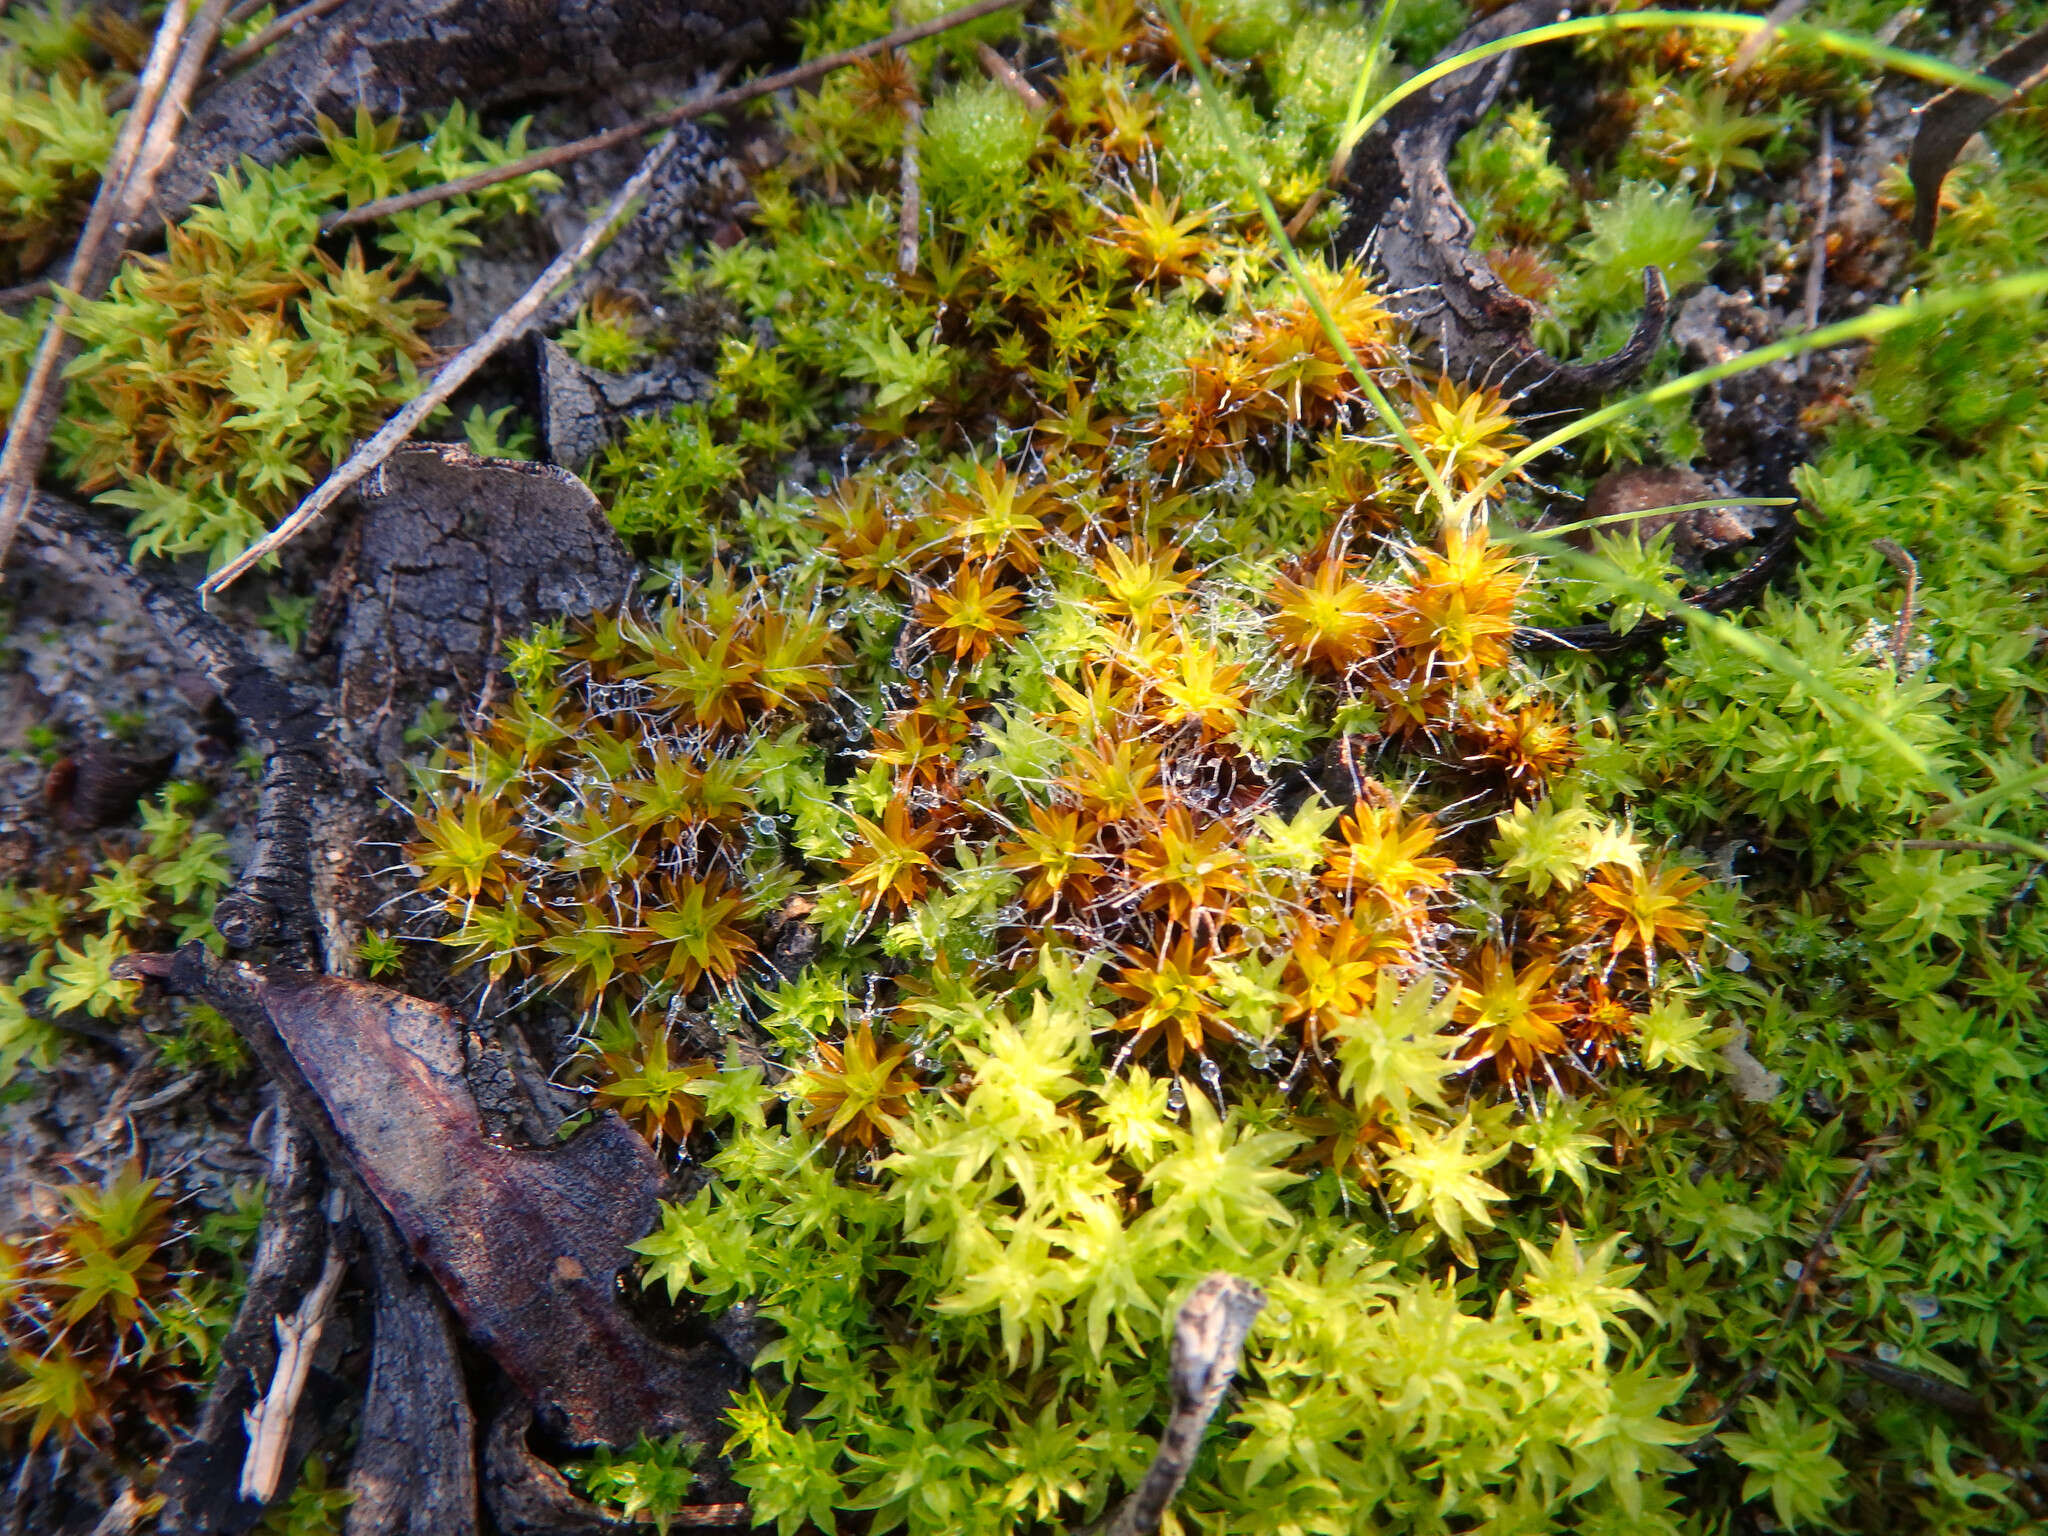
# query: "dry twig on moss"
723,101
453,374
269,1423
162,93
1208,1338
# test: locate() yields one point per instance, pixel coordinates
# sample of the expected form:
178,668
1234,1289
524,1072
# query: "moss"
978,138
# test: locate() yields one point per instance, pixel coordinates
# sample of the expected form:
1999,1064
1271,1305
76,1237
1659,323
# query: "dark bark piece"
1208,1338
583,409
272,903
201,1481
526,1496
527,1245
413,1472
1952,117
460,555
405,57
1404,212
100,787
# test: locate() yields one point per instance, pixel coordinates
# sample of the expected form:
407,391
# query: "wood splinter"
269,1423
1208,1340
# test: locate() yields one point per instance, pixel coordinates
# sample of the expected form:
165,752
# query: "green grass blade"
1556,530
1758,647
1868,326
1240,158
1902,60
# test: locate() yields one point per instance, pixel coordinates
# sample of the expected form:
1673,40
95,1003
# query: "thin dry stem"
289,22
1817,261
1816,1255
1006,74
767,85
270,1422
1909,568
453,374
92,266
911,214
1753,46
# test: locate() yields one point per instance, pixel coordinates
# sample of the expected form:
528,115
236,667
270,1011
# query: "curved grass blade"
1868,326
1902,60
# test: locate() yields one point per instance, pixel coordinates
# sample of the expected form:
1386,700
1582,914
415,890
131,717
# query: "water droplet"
1258,1058
1792,1269
1923,1307
1737,961
765,825
1176,1100
1888,1352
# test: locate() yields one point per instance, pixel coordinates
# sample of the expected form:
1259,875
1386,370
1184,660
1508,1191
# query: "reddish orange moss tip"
858,1092
891,864
1173,990
1516,1019
1643,910
1327,620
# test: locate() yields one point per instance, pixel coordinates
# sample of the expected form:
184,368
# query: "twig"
23,293
1946,845
910,194
1928,1389
1306,211
1817,262
1753,46
1948,122
242,53
160,137
126,1513
453,374
92,265
202,1473
1207,1337
1006,74
269,1423
272,900
1909,568
767,85
291,20
1815,1255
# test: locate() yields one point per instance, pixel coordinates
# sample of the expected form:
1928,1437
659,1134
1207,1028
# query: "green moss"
978,138
1642,225
1245,28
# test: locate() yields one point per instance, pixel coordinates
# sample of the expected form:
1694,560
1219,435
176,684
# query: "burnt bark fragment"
101,785
272,903
413,1472
460,555
400,58
527,1246
583,408
526,1496
200,1482
1405,215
